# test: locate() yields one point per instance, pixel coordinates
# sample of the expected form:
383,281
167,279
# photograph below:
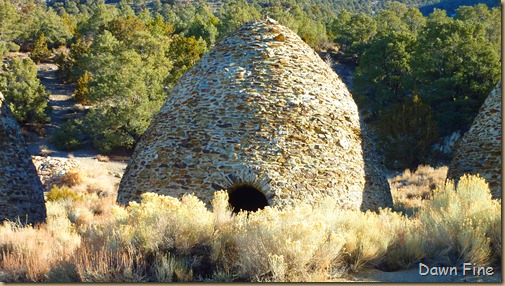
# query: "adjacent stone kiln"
263,117
21,192
479,151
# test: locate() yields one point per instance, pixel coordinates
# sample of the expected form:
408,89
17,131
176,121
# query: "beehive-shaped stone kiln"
21,192
262,116
479,151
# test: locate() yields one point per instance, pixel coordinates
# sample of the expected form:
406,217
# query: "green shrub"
68,136
64,193
3,48
13,47
40,52
23,91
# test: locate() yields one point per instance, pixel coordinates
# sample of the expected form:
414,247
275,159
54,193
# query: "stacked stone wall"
50,169
261,108
479,151
21,192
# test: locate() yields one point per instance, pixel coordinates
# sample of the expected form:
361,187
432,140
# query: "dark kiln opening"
246,197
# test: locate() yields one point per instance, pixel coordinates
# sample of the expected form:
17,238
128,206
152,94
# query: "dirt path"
345,72
62,109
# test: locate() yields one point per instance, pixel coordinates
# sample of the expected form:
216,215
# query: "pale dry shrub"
26,253
93,180
65,238
408,246
223,244
310,243
96,204
168,268
411,190
461,223
82,217
165,223
183,271
284,245
63,271
494,233
81,209
71,178
367,236
164,268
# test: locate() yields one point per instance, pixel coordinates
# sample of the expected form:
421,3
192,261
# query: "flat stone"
297,125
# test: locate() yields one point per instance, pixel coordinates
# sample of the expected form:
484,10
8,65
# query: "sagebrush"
163,239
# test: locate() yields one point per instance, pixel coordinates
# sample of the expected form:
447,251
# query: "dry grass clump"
411,190
110,265
93,181
163,239
71,178
28,253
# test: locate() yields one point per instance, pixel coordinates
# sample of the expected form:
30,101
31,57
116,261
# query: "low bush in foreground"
163,239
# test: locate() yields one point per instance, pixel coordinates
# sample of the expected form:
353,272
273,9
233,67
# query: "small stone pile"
50,169
261,112
21,193
479,151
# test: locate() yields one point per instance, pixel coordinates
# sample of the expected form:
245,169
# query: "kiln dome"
21,192
262,116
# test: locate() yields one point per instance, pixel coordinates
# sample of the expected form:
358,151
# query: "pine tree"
406,132
40,51
82,90
23,91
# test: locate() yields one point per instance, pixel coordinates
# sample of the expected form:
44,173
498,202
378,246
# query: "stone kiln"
262,116
21,192
479,151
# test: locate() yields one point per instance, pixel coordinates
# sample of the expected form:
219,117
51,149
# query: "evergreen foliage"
68,136
451,63
456,66
353,33
71,63
82,89
125,56
40,52
25,94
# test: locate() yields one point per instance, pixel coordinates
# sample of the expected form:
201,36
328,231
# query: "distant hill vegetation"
419,78
451,5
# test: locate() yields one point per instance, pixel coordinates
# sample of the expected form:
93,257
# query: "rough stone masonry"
262,116
479,151
21,192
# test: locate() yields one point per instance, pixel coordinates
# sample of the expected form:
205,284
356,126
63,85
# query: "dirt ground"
412,275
